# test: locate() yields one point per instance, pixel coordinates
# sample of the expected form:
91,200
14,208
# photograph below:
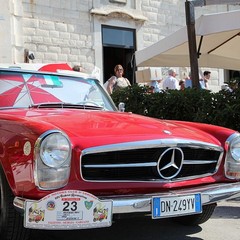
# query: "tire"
196,219
11,222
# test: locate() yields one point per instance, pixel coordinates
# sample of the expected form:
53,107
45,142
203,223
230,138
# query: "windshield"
25,89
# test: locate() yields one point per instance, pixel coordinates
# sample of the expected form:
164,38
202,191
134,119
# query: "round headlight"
235,149
55,150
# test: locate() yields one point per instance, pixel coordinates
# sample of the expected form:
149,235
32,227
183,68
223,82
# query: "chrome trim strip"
199,161
150,164
142,203
152,144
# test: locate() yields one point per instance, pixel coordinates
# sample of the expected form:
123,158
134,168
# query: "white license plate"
68,209
171,206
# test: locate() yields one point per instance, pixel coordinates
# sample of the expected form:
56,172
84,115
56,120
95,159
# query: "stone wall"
59,31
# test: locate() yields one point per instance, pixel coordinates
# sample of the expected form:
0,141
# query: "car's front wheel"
196,219
11,223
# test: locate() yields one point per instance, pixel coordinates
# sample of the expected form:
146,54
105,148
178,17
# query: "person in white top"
117,81
171,82
207,75
155,86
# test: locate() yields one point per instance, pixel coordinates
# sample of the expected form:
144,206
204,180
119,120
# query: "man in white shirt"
171,82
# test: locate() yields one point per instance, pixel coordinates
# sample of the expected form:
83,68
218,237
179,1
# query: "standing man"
171,82
204,81
206,77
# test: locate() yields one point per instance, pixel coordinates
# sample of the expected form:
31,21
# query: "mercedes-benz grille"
157,160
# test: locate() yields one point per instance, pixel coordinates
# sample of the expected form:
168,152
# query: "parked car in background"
69,159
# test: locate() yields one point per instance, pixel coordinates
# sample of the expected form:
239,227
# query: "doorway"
119,45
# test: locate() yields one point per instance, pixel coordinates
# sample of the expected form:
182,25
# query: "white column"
6,54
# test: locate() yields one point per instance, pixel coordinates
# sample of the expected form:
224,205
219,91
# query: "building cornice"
106,11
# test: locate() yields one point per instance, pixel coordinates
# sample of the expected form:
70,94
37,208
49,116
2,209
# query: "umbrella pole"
193,54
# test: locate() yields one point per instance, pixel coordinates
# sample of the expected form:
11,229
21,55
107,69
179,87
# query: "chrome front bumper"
142,203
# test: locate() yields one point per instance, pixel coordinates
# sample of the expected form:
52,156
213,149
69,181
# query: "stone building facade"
71,31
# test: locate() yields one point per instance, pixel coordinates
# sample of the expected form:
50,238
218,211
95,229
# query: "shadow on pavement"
228,210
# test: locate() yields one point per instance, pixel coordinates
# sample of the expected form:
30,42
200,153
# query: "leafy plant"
196,105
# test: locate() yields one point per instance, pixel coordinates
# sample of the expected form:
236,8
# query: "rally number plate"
68,209
171,206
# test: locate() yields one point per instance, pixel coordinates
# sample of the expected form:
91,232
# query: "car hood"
88,128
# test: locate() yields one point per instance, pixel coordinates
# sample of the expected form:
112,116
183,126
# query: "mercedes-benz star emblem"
170,163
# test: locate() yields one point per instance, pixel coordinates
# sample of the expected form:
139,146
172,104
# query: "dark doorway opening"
114,56
118,48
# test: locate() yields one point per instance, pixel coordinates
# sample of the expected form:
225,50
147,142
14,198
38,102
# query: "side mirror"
121,107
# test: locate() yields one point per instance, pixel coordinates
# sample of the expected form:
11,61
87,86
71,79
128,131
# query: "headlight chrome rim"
232,160
55,150
48,176
235,149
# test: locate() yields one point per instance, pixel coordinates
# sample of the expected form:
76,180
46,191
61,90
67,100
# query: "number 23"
70,206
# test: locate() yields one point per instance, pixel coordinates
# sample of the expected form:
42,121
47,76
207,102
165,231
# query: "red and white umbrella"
23,89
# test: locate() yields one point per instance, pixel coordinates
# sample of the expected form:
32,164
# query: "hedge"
221,108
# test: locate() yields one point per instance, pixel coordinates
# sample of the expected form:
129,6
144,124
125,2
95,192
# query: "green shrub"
196,105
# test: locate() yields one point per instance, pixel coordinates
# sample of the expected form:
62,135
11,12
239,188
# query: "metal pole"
190,21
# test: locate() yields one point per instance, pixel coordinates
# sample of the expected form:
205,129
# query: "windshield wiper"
80,105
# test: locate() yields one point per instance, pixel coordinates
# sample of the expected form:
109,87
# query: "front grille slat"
129,165
140,164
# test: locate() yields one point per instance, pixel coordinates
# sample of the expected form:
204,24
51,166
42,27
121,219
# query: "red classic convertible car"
69,159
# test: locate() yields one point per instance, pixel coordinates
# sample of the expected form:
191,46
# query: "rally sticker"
70,209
